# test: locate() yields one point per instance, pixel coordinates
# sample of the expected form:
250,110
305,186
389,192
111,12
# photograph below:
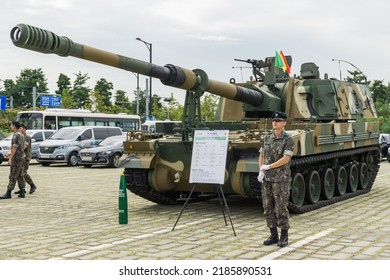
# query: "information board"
208,161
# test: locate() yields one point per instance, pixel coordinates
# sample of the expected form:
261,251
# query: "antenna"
361,72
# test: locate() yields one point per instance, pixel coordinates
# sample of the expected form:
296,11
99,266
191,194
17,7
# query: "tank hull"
331,162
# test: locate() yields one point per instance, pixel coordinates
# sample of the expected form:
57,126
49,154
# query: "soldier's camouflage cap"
279,116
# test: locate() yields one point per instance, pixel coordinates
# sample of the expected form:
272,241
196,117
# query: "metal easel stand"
222,201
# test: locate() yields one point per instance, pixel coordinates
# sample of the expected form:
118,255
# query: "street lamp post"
137,76
361,72
149,46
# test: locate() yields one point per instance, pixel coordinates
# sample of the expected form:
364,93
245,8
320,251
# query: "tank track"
137,183
313,160
340,154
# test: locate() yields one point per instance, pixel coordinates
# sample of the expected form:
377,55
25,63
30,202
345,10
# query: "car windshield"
65,134
113,141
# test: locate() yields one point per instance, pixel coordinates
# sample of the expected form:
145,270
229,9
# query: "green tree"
157,107
209,106
23,91
357,77
381,93
5,117
141,103
104,88
381,96
79,91
122,103
67,100
63,83
97,103
173,110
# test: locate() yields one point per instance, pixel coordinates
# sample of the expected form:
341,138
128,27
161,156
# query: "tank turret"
332,122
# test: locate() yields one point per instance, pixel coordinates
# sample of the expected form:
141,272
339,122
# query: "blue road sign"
44,100
3,102
55,101
50,101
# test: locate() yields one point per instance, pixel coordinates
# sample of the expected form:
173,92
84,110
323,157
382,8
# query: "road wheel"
353,177
114,162
298,190
341,180
328,183
73,159
363,176
313,187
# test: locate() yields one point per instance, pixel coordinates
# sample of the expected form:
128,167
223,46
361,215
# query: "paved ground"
73,215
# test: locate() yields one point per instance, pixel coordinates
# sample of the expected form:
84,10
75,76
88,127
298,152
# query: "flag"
281,62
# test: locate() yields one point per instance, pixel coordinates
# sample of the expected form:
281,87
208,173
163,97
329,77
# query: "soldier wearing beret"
275,176
16,160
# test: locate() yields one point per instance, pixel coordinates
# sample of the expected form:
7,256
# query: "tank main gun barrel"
44,41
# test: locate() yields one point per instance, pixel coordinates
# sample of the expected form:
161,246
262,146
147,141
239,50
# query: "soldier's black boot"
273,238
22,194
6,195
283,238
33,188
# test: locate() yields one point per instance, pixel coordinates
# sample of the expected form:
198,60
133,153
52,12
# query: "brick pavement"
73,215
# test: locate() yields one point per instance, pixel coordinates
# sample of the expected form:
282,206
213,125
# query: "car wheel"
73,159
114,162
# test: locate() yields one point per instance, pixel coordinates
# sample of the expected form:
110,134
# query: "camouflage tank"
333,125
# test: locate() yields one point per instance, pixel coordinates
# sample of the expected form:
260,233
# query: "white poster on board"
208,161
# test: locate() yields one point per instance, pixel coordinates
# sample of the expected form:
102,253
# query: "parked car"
108,152
37,137
384,139
64,145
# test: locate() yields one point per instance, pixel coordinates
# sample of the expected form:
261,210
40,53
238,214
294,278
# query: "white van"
64,145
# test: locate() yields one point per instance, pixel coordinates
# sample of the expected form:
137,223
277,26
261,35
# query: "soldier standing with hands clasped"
275,176
16,160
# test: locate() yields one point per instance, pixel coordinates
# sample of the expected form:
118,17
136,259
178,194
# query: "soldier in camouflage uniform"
27,151
16,160
275,176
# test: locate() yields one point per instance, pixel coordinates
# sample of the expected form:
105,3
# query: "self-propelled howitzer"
332,122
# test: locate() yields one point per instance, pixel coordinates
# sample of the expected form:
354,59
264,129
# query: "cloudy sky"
205,34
